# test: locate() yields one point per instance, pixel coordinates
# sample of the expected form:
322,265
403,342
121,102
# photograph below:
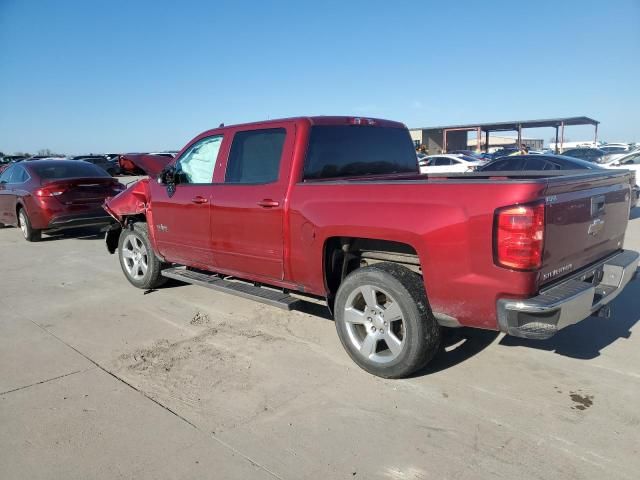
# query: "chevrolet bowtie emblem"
596,226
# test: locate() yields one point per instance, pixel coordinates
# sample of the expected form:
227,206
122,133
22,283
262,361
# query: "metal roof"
513,125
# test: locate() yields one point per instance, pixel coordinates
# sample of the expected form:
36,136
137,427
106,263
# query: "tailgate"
586,220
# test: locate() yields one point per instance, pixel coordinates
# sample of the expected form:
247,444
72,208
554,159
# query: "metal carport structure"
558,123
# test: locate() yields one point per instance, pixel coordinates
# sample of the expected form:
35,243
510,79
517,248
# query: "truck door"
247,208
181,219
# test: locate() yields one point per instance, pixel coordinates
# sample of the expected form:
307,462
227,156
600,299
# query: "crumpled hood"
151,165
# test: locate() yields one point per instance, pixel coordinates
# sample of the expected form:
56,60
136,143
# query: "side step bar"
259,294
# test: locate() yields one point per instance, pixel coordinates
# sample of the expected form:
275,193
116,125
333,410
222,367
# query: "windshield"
356,150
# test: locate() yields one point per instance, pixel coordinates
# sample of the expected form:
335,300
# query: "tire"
30,234
138,261
402,343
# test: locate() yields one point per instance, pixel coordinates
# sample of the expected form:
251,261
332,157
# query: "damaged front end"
126,207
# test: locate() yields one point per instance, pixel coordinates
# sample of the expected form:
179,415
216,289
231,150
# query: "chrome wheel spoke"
369,296
351,315
127,253
393,342
369,345
392,312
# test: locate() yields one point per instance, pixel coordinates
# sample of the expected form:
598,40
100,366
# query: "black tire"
130,241
30,234
419,330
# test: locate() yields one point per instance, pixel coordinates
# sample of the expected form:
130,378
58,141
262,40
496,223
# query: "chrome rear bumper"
570,301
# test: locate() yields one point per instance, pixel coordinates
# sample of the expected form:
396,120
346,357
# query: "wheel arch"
342,255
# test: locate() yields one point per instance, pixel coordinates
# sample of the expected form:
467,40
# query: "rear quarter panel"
448,223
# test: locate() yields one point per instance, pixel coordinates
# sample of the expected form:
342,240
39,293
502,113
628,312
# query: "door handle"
199,199
268,203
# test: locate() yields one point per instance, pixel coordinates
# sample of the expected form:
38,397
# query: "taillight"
49,191
519,237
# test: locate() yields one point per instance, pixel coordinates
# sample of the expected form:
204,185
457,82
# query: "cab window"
198,162
255,156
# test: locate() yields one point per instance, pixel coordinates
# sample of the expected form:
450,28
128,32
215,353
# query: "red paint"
142,163
276,233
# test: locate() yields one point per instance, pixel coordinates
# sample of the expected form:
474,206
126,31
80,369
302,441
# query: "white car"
444,163
630,161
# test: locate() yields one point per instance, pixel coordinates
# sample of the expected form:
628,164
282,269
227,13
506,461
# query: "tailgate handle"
597,205
199,200
268,203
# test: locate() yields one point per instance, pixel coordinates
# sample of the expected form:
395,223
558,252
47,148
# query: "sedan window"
6,175
441,162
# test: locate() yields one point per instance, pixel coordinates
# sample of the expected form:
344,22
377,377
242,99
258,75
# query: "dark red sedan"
51,195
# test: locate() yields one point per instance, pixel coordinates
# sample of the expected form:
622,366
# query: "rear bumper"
570,301
81,220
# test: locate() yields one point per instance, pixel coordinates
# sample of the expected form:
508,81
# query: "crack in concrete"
45,381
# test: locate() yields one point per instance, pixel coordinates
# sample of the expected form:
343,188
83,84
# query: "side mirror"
167,175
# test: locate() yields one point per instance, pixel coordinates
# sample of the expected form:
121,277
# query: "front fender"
133,201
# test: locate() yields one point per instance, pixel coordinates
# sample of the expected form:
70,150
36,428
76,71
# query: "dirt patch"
200,319
582,402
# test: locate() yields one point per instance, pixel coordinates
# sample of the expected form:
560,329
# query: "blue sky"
89,76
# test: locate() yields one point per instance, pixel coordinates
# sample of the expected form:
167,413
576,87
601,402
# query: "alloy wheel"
375,324
135,256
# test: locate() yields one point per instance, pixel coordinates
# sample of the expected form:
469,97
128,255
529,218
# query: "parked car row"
113,164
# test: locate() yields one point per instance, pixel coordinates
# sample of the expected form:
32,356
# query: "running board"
240,289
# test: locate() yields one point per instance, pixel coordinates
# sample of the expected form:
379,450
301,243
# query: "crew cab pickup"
335,208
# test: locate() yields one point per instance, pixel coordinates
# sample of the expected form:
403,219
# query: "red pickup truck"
335,208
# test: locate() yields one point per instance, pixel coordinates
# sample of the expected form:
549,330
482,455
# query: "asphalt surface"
100,380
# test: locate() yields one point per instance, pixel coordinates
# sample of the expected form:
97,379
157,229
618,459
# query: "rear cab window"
355,150
255,156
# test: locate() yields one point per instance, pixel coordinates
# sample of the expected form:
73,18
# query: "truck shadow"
635,213
457,346
585,340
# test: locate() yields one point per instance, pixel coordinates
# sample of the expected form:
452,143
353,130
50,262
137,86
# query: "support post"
444,141
519,136
561,136
479,140
557,148
595,137
486,141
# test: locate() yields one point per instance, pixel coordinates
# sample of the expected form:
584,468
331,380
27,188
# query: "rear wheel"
139,262
30,234
384,321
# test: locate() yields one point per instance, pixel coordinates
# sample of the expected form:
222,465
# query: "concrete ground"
100,381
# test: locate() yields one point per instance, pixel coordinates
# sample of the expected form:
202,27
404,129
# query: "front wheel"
384,321
139,262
